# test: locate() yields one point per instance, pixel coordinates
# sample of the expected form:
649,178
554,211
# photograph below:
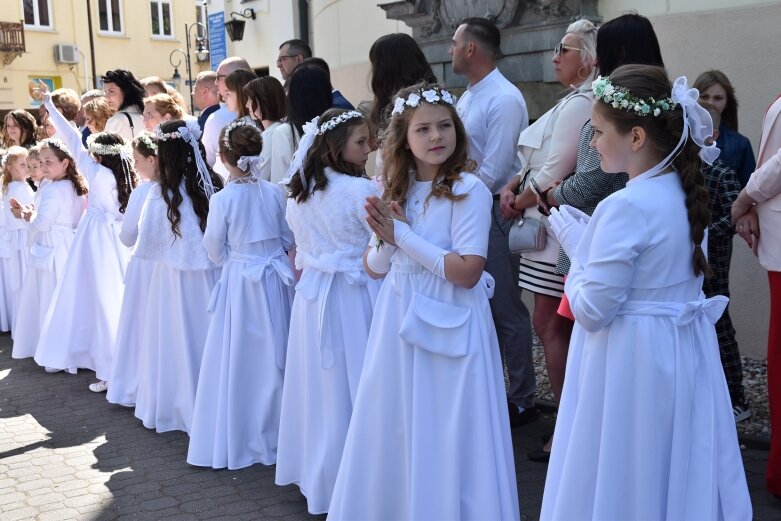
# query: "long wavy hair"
664,132
71,172
398,159
124,174
176,165
729,116
326,151
26,123
396,62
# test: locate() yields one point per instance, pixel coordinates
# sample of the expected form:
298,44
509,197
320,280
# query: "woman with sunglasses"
549,149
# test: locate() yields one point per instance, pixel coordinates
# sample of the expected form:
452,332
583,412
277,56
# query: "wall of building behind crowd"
735,36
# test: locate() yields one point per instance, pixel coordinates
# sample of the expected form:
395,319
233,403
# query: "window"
161,18
110,13
37,14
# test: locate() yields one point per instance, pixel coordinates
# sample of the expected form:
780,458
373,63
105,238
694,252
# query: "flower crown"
146,140
101,149
56,143
230,128
621,98
338,120
433,95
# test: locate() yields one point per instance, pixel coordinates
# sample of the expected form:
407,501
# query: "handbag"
441,328
527,234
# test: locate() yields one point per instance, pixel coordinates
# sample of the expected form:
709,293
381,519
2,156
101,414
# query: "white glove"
379,257
568,227
432,257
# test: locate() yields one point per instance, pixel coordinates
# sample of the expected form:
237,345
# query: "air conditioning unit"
64,53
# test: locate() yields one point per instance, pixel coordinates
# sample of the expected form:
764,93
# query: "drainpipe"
91,46
303,19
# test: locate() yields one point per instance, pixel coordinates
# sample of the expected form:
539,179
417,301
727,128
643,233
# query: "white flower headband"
56,143
622,99
146,140
101,149
228,129
338,120
312,129
433,95
189,133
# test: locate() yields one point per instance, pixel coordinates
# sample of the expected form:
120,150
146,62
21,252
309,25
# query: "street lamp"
201,54
235,28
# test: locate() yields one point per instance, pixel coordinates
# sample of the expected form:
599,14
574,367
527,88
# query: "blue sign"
217,49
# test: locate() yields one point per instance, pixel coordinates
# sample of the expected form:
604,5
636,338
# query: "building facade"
66,47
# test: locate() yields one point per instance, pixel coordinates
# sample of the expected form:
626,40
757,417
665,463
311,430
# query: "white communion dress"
332,313
175,319
236,418
645,428
13,252
51,231
430,436
124,373
80,329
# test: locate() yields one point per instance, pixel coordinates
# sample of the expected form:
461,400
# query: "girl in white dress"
13,236
334,301
60,202
645,429
236,418
124,373
175,319
80,329
429,436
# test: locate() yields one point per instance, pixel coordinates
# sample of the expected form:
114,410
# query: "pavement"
66,453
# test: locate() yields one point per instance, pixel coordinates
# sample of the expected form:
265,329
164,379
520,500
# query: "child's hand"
14,203
380,219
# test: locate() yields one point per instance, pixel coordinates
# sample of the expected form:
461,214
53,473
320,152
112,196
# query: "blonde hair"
165,104
99,110
12,155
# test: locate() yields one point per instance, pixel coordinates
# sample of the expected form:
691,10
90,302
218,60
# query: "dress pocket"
438,327
41,257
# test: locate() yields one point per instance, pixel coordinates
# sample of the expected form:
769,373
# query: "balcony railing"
12,37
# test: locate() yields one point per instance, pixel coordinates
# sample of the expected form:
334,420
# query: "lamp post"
201,54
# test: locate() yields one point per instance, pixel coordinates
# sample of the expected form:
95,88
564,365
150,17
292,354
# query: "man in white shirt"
494,114
220,117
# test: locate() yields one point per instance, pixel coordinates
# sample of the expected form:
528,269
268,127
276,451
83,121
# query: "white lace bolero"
330,228
156,241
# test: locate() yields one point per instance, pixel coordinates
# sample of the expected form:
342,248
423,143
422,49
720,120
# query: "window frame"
109,19
37,26
161,25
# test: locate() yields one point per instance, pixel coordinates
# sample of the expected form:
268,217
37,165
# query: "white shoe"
53,370
99,387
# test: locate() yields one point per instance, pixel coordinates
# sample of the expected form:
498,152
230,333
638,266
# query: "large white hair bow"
190,132
299,158
697,122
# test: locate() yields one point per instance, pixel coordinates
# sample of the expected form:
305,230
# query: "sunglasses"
562,49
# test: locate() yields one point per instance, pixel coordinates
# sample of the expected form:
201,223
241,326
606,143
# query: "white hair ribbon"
696,118
191,135
299,158
697,124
